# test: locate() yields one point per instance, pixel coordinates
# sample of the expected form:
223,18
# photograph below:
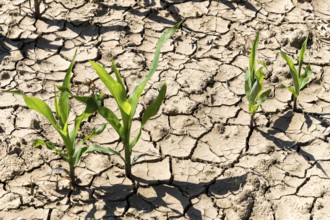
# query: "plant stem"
251,121
72,175
37,9
294,107
128,170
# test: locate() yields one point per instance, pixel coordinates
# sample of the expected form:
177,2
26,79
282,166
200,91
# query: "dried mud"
197,159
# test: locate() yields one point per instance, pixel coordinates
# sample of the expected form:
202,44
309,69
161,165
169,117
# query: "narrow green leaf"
252,59
133,142
253,109
40,142
260,74
104,150
305,77
256,89
293,71
57,105
41,107
135,96
118,77
247,83
50,146
112,119
115,88
153,108
262,63
262,98
92,104
78,153
301,56
292,90
95,132
63,103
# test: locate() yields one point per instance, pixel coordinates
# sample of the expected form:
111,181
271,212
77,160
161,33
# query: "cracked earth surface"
197,159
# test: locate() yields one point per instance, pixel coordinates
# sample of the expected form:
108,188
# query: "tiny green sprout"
299,79
72,152
127,105
253,83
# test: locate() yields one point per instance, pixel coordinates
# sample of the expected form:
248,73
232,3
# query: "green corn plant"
254,88
299,79
73,151
36,3
127,105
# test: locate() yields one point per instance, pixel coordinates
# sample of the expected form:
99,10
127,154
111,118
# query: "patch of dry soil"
197,159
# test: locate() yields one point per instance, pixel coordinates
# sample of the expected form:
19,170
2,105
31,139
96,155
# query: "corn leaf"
50,146
115,88
135,96
57,106
104,150
153,108
262,98
253,108
112,119
247,83
62,105
77,154
305,77
293,71
91,107
41,107
135,140
118,77
95,132
292,90
301,55
40,142
255,90
252,59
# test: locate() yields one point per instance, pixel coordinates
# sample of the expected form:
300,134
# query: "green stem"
128,169
72,175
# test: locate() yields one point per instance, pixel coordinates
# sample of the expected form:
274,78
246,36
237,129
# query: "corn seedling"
127,105
253,83
72,151
299,79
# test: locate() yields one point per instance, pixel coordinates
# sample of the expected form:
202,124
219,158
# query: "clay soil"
197,159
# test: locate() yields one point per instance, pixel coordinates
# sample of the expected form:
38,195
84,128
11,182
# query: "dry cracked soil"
197,159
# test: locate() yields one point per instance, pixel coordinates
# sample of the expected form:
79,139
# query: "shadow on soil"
159,193
174,12
89,29
78,29
281,125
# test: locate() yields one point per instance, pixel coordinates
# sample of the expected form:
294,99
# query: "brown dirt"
197,159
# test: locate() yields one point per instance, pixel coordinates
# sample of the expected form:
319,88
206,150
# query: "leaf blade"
301,55
42,108
115,88
135,96
293,71
153,108
63,102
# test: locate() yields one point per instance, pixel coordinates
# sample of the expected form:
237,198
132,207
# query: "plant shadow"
159,193
85,29
281,125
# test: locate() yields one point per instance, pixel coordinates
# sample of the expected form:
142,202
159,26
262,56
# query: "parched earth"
197,159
